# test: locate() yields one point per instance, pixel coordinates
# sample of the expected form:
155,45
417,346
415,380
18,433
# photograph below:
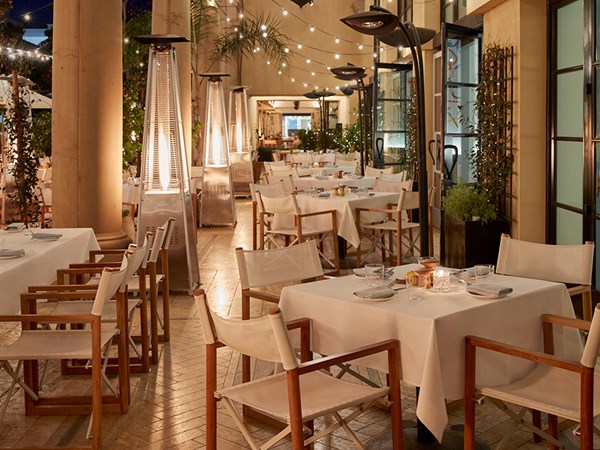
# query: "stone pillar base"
118,239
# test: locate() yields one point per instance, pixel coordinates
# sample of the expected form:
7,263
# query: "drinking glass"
441,280
417,292
483,270
374,274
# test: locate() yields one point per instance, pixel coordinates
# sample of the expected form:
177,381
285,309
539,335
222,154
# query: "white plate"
376,300
11,256
12,231
485,297
359,272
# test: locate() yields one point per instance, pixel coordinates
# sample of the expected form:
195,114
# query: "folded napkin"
325,194
45,236
375,292
489,290
322,177
9,252
16,226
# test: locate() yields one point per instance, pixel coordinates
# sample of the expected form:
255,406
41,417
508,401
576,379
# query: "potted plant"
475,215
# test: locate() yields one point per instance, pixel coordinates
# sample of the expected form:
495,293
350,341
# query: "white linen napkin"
9,252
494,290
324,194
40,236
375,292
15,226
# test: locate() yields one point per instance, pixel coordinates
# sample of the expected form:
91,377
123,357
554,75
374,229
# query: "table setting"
351,311
32,256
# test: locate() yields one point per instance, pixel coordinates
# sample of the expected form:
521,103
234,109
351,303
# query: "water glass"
416,293
441,280
362,191
374,274
483,270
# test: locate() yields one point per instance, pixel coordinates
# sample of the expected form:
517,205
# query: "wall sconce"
165,183
217,206
239,141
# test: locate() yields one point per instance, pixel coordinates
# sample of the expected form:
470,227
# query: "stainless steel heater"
240,142
165,182
217,206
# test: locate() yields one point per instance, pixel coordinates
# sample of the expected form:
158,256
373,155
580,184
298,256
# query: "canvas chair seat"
269,395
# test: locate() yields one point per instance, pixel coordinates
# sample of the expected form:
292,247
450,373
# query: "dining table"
328,182
41,258
345,207
431,331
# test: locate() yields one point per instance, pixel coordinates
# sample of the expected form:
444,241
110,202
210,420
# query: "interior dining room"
253,224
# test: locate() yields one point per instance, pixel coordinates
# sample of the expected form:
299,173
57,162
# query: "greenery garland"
24,171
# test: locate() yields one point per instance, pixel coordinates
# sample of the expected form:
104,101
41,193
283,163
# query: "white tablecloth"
305,171
432,331
131,193
345,207
304,183
41,260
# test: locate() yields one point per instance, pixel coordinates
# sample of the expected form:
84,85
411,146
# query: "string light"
312,29
14,53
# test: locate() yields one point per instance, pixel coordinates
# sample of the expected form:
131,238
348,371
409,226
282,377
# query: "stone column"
173,17
87,119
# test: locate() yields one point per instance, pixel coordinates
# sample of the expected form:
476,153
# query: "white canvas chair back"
279,205
401,176
277,164
341,158
592,344
278,266
392,186
269,190
111,281
373,172
302,158
561,263
284,170
159,238
253,337
325,158
169,226
287,179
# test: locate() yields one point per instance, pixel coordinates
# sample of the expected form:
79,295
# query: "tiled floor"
167,406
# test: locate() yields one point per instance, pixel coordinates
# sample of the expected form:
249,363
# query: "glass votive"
441,280
415,293
374,274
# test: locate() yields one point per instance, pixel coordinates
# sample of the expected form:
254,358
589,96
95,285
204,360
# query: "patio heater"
351,72
239,141
217,206
320,97
391,30
164,180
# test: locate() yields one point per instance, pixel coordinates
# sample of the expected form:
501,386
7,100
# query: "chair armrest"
93,253
317,213
390,345
379,210
304,325
522,353
93,265
548,320
57,288
263,296
28,318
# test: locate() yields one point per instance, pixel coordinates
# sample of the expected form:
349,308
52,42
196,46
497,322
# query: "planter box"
470,243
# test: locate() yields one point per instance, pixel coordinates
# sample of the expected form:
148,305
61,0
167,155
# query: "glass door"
391,100
461,53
